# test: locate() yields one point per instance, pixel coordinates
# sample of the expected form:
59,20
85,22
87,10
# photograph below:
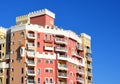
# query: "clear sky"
98,18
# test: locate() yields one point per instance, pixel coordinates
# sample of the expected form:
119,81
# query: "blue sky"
98,18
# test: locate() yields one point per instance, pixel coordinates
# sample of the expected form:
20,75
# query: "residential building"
42,53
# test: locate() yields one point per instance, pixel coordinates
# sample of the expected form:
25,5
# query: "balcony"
80,80
89,51
79,47
50,83
80,71
89,66
75,61
31,36
89,73
89,81
1,73
62,57
7,56
62,82
62,75
51,48
60,41
31,53
62,67
31,46
76,54
30,72
7,65
30,81
61,49
30,63
89,58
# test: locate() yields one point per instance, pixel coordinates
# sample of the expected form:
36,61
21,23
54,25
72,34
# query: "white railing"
31,36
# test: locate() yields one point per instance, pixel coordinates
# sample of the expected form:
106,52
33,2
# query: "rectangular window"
38,35
46,70
38,44
46,80
50,37
12,78
38,71
51,62
0,47
51,71
39,61
47,61
51,80
22,70
46,36
22,80
38,80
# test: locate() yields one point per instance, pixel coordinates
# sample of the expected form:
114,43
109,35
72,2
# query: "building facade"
41,53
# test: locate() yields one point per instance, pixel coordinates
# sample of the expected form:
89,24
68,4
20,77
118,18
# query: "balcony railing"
89,73
62,66
61,49
90,81
89,66
89,51
49,48
31,63
31,35
30,81
30,72
60,40
31,45
50,83
31,53
7,56
62,75
79,47
80,80
89,58
7,65
75,61
80,71
62,82
62,57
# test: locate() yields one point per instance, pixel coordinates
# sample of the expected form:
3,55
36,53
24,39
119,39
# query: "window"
12,52
51,62
47,70
22,34
3,45
12,78
46,37
38,71
12,60
51,80
47,61
0,47
38,80
39,61
13,43
22,80
51,71
38,44
19,42
50,37
12,34
38,35
12,69
22,70
46,80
